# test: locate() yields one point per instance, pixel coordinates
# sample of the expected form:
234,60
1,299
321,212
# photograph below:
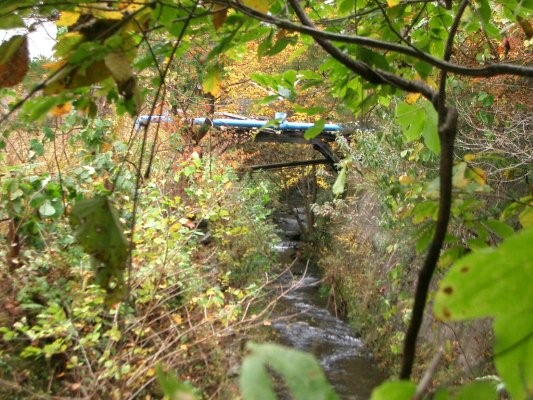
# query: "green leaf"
513,352
484,11
430,132
424,210
11,21
172,387
315,130
10,47
499,228
424,236
477,391
300,371
340,182
397,390
37,147
484,284
526,217
479,284
411,118
37,108
419,119
99,231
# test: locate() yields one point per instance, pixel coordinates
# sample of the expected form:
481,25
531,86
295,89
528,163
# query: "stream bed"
302,321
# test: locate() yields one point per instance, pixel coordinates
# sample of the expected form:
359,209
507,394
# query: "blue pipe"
256,123
142,120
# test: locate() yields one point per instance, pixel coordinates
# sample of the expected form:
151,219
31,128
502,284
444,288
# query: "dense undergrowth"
202,243
380,228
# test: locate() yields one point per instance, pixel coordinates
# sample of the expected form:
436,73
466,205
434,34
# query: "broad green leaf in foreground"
300,371
489,282
477,391
497,283
100,233
172,387
394,390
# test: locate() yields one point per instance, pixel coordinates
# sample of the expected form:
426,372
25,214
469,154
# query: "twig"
428,375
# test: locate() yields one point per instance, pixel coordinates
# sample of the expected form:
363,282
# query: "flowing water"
302,321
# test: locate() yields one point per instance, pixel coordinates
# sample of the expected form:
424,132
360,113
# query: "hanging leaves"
99,231
99,44
14,61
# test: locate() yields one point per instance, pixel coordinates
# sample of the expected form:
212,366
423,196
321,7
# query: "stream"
302,321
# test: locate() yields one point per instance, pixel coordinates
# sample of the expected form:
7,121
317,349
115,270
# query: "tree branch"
444,65
447,132
373,75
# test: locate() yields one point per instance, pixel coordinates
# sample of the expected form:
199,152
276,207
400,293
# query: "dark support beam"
297,137
319,143
286,165
326,151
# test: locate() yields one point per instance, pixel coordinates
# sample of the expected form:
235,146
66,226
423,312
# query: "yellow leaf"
67,18
259,5
131,6
177,319
412,98
54,65
479,175
212,82
61,109
469,157
405,179
393,3
104,14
